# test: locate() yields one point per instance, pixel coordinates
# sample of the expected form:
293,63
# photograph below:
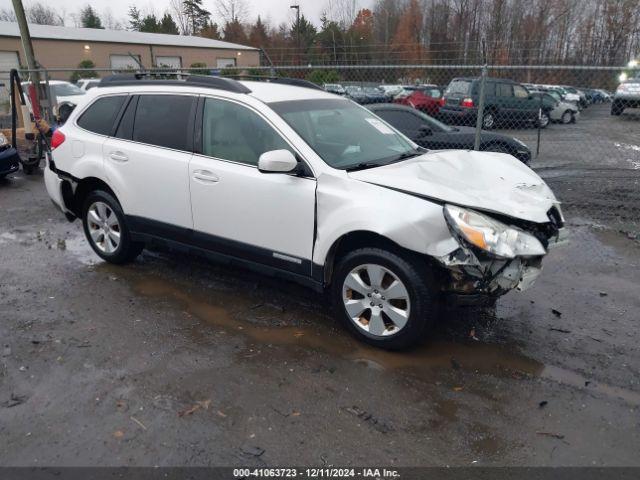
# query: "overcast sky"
276,11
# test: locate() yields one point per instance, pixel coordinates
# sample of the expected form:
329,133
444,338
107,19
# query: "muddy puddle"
292,326
426,361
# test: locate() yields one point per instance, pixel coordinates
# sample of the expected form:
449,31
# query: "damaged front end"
495,256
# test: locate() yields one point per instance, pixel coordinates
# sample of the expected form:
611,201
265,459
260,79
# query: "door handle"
118,156
205,176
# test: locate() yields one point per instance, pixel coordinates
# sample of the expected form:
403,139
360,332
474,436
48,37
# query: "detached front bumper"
473,278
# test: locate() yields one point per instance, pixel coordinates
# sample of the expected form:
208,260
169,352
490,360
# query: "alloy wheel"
104,227
488,120
376,300
544,120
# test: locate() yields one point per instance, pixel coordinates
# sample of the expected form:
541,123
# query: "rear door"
527,105
147,161
506,108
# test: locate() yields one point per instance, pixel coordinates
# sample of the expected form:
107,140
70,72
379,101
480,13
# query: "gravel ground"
174,361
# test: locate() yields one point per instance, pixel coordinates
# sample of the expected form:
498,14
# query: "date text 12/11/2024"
335,473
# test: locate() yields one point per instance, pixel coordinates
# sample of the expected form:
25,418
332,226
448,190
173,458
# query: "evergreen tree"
258,36
197,16
134,18
89,18
211,31
167,25
234,32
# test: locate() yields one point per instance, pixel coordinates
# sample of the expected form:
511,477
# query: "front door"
237,210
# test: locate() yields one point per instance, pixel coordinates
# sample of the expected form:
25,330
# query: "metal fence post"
483,81
539,127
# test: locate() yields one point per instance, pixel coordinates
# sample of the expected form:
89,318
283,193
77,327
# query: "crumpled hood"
494,182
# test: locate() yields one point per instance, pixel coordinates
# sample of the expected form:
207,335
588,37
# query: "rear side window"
520,92
459,86
164,120
504,90
125,128
100,115
406,122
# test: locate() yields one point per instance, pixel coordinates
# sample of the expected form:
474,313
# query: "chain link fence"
561,120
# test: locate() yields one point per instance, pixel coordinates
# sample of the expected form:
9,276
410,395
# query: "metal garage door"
169,62
225,62
124,62
8,60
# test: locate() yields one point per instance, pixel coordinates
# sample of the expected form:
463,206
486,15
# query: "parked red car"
426,98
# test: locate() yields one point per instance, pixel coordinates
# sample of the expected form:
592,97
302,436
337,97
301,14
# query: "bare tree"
7,15
42,14
177,12
231,11
110,22
343,11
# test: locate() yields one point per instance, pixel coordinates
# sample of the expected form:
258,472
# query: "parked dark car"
9,159
426,98
356,94
507,103
335,88
374,95
433,134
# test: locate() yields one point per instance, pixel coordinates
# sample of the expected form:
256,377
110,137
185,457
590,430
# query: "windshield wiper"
398,158
363,166
408,154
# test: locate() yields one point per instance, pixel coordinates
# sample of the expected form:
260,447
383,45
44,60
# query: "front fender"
346,205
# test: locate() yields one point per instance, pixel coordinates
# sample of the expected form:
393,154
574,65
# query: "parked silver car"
564,112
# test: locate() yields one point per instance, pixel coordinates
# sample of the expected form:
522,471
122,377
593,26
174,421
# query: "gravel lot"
173,361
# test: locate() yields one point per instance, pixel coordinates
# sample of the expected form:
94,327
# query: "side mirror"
424,131
277,161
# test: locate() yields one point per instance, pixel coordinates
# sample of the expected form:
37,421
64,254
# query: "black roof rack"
294,82
230,84
220,83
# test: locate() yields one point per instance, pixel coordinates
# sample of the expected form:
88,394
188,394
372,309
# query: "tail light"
57,139
441,102
467,102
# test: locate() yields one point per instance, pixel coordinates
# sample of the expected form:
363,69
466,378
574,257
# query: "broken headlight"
490,235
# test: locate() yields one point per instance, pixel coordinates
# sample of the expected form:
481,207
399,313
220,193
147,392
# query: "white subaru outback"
305,185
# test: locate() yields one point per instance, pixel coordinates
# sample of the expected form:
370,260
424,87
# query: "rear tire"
393,301
616,109
106,230
488,120
567,117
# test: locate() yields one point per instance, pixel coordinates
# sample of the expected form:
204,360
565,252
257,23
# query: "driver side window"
235,133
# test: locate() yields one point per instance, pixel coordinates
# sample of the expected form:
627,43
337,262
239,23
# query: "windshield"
66,90
555,95
458,86
432,92
343,134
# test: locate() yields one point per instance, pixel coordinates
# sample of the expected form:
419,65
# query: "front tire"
384,299
544,120
106,229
